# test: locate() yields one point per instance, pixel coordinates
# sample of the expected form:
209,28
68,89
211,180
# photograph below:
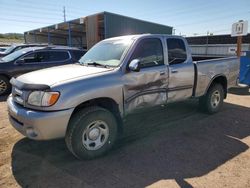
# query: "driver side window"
149,52
36,57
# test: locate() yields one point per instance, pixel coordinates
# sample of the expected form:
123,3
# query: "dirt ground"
174,146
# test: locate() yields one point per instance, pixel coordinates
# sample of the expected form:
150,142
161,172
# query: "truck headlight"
43,98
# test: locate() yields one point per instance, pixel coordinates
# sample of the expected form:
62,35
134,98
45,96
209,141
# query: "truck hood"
51,76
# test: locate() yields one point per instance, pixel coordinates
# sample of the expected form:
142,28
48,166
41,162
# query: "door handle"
174,71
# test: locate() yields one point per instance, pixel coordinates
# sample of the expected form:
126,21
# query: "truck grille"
18,95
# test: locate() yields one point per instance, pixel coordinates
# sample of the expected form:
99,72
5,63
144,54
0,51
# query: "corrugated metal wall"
56,40
31,38
117,25
217,49
92,30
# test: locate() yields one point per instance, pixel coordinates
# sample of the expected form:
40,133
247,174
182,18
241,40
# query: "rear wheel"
213,100
4,85
91,132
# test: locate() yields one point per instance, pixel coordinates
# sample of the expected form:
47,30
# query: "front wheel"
92,132
213,100
5,86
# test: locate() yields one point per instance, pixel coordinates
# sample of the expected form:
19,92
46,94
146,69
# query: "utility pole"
239,40
207,43
64,14
174,31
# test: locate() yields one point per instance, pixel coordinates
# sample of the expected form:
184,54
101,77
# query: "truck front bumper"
38,125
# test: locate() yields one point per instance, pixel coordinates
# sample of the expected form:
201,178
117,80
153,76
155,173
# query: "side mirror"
20,61
134,65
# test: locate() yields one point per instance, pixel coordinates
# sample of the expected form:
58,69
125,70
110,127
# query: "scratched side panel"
209,69
181,83
146,88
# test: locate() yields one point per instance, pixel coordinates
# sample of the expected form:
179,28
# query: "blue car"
34,58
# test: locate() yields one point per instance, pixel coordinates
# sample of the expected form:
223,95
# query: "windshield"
10,49
2,49
106,53
13,55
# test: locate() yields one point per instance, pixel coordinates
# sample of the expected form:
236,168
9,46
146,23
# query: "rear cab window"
58,56
176,51
78,54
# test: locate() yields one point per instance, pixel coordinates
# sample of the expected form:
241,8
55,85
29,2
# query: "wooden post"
239,42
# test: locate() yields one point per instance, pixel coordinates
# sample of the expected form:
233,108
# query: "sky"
187,17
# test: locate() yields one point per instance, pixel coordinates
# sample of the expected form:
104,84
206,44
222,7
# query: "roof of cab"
133,37
51,47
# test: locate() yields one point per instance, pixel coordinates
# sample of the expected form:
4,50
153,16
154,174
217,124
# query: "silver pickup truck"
87,102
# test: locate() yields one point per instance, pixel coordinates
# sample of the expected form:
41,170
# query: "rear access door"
181,70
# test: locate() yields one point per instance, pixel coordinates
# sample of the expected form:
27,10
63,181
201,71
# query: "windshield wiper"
97,64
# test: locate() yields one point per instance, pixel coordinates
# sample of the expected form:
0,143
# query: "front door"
148,87
42,59
181,71
31,62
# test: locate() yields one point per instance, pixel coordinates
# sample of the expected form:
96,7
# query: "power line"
204,22
41,11
50,11
211,19
182,10
21,14
17,23
25,25
81,11
171,11
31,6
215,31
42,7
36,11
27,21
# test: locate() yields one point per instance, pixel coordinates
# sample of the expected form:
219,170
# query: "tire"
5,86
91,132
213,100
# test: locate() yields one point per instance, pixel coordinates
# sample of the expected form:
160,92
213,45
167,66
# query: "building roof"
86,31
77,21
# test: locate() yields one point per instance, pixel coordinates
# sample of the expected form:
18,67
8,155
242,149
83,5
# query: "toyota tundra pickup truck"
87,102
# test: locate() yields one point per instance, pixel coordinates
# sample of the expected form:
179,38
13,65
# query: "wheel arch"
219,79
104,102
5,75
7,89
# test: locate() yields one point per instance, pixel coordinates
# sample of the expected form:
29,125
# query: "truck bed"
205,71
200,58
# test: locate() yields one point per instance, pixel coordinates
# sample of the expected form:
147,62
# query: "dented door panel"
181,80
181,70
146,88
